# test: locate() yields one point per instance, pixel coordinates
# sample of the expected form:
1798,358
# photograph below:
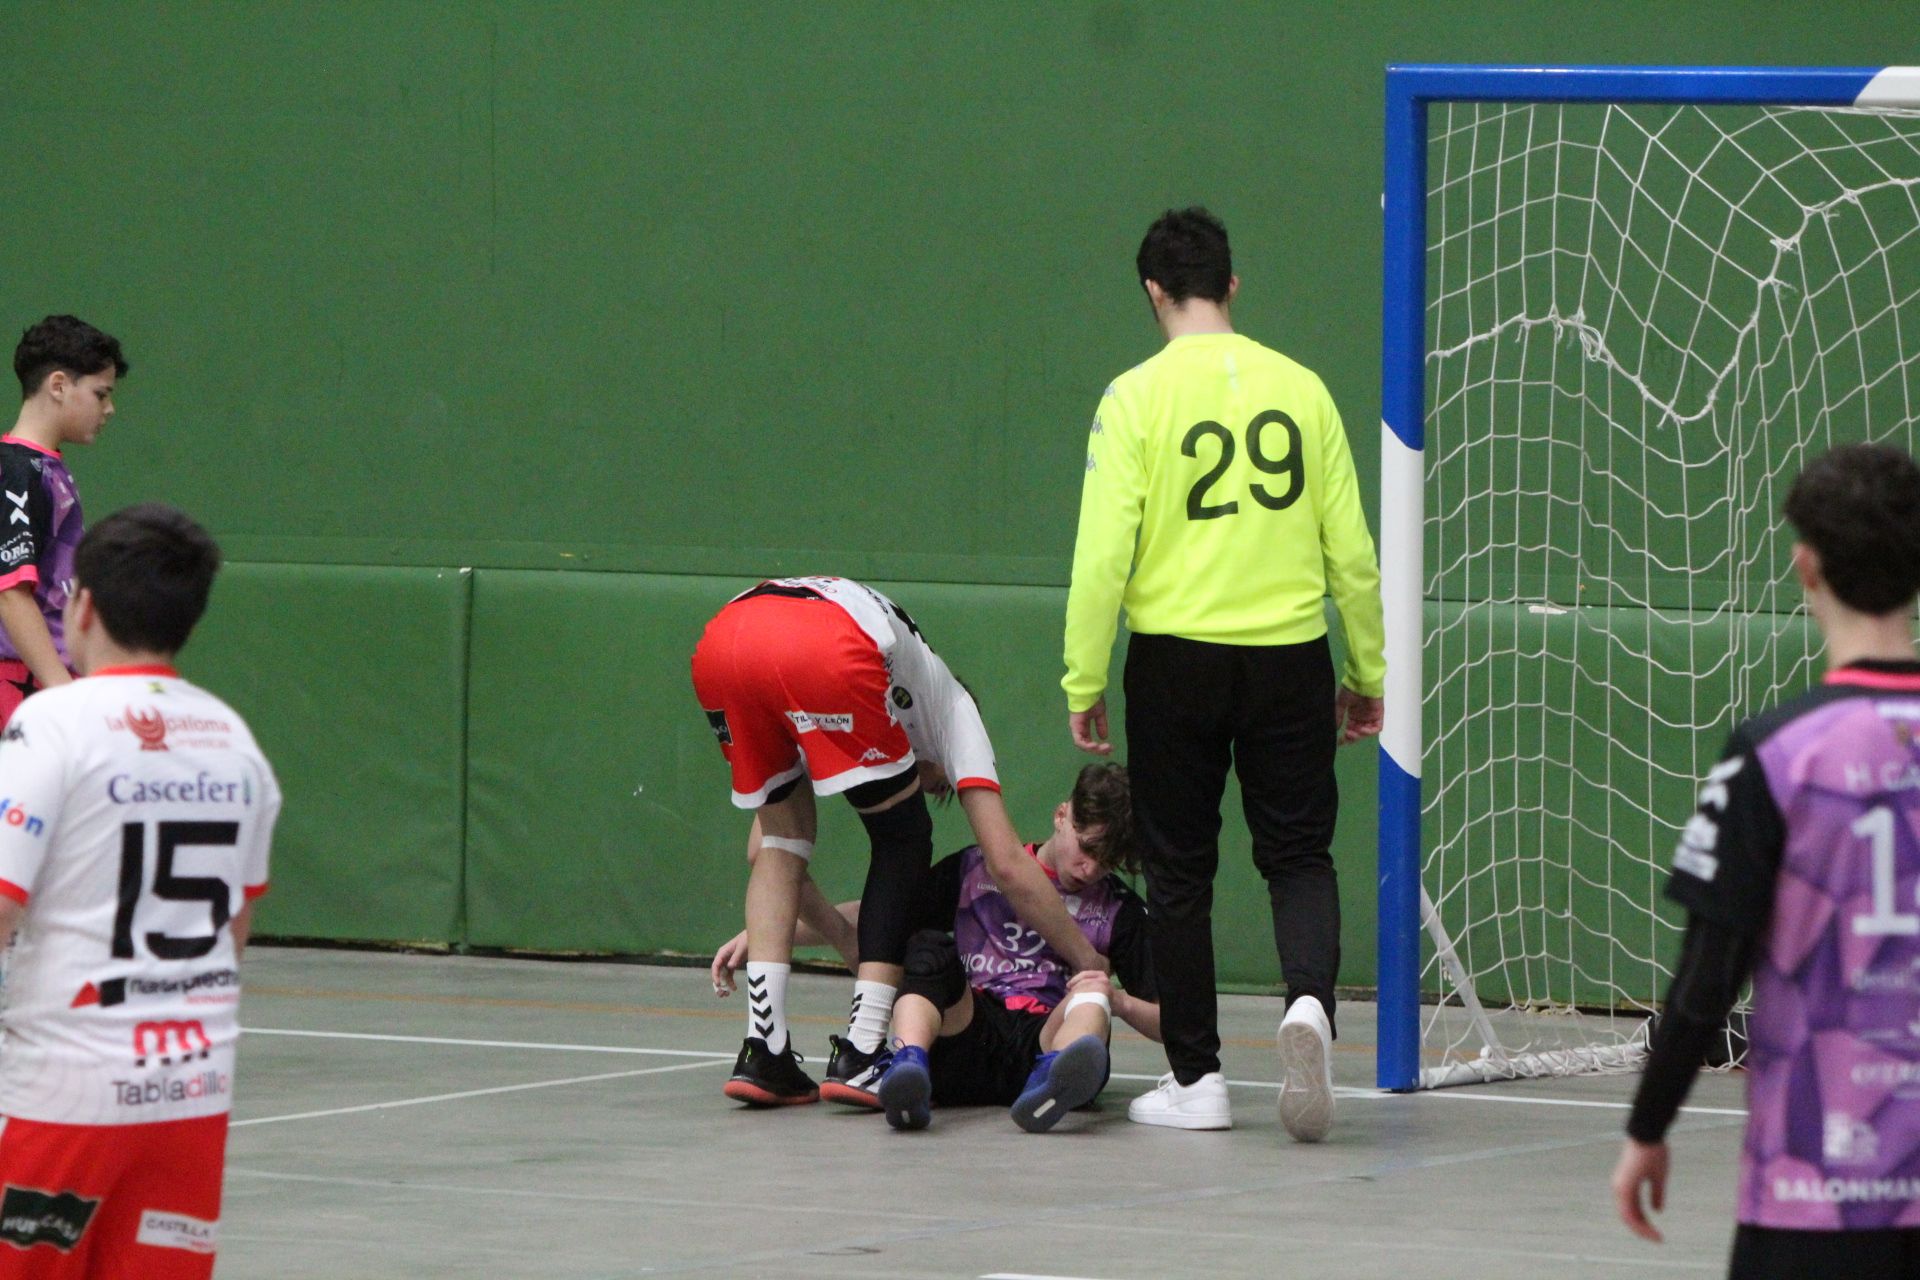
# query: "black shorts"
1763,1253
988,1063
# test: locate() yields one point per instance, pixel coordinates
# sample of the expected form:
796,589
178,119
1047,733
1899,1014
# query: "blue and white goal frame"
1403,395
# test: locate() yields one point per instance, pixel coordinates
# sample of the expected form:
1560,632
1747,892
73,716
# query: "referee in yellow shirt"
1221,508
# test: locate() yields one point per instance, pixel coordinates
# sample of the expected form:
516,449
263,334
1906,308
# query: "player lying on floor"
988,1013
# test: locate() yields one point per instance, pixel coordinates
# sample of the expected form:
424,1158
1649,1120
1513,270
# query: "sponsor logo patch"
14,733
874,753
153,729
59,1218
124,788
146,1093
150,727
215,986
176,1231
12,815
825,722
902,698
718,721
175,1039
1844,1141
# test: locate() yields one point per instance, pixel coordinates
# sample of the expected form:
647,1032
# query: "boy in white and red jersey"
827,682
1800,871
135,817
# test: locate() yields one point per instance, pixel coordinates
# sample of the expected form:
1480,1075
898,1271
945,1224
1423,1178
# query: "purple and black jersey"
43,528
1808,837
1001,955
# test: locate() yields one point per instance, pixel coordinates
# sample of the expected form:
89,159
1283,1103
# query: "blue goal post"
1410,90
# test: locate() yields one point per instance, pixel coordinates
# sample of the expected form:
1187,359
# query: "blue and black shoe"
906,1090
1061,1080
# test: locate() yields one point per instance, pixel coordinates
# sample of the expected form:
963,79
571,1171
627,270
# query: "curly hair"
64,342
1858,507
1102,810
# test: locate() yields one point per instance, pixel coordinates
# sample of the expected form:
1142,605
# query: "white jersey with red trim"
136,812
939,715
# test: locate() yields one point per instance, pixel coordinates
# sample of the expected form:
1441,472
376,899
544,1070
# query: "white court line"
1458,1095
469,1093
1342,1091
485,1044
1023,1275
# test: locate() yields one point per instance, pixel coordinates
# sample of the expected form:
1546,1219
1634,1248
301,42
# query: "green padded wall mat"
353,680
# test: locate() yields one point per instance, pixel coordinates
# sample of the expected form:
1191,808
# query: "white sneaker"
1200,1105
1306,1071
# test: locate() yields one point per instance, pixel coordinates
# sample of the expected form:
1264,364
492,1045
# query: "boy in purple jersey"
988,1013
67,369
1801,871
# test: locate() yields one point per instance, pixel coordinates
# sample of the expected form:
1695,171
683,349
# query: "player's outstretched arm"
732,955
1142,1015
1020,878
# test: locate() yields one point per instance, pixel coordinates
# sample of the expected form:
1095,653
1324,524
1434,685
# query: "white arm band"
801,849
1079,998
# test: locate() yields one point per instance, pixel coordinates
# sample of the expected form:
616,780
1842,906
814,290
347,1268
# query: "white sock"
871,1015
767,1003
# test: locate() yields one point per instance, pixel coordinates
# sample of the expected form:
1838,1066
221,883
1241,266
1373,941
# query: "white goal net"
1642,321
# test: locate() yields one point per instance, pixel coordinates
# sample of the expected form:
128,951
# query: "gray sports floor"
420,1116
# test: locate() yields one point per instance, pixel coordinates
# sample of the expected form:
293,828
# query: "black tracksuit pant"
1193,710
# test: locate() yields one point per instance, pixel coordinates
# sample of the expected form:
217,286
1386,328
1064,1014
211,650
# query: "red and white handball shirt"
136,812
829,678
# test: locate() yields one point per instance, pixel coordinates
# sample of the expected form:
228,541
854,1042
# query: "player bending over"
1799,872
988,1013
827,682
133,842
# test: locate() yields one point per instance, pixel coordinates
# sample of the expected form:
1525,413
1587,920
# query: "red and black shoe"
853,1077
763,1078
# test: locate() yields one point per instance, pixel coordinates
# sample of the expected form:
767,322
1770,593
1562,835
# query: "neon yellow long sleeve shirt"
1220,504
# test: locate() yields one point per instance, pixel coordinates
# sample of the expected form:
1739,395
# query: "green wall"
619,305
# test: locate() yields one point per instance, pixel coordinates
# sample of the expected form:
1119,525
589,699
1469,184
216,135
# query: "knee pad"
902,849
879,790
933,969
902,831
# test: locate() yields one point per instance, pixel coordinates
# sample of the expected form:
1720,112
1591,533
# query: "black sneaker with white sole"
853,1077
763,1078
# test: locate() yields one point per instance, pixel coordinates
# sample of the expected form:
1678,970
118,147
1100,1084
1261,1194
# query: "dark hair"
1858,506
1102,810
64,342
149,568
1186,254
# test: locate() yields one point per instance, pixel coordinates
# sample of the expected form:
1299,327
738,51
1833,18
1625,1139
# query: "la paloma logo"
150,727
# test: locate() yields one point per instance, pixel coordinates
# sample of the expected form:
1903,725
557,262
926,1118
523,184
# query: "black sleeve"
1132,955
1729,854
1715,962
26,513
940,895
